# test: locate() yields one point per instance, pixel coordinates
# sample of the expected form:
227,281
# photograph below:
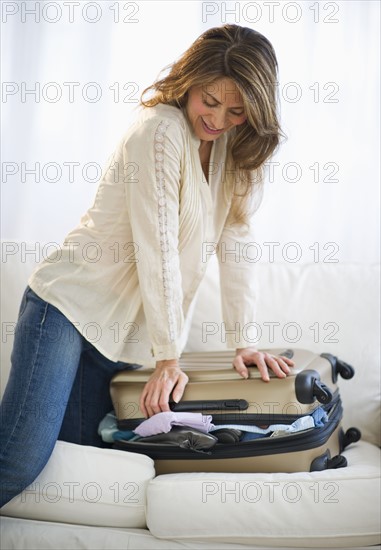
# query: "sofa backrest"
322,307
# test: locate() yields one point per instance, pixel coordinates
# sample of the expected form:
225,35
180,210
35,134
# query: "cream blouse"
127,275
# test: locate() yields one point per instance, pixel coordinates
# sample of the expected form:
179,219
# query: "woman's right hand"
167,377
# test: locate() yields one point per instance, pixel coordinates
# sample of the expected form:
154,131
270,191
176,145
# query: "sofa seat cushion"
27,534
337,508
89,486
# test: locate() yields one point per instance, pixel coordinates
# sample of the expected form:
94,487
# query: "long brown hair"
248,58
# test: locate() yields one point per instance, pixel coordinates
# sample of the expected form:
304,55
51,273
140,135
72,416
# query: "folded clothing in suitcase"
216,389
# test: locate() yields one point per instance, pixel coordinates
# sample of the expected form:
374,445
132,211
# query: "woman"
120,291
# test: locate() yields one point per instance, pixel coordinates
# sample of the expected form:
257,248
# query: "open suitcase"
216,389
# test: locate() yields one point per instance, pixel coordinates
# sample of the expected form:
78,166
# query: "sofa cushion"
31,534
317,509
89,486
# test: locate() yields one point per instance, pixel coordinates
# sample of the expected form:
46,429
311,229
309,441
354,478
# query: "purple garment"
163,422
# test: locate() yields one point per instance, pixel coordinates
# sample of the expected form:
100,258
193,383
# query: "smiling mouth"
210,130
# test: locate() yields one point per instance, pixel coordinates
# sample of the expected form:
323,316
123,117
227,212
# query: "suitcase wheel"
339,367
352,435
308,387
325,462
320,462
338,461
346,371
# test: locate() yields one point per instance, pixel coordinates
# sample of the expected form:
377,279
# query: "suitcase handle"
211,405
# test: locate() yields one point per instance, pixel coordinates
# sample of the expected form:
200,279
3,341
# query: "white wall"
333,46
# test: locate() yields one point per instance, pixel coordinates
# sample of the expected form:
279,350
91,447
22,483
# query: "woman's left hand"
280,365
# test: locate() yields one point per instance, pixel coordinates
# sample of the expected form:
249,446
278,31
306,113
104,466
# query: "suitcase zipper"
293,442
263,419
240,418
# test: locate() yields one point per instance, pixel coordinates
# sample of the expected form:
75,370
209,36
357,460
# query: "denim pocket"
29,294
23,302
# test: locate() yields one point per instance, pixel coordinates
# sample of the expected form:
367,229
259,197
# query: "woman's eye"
209,104
234,113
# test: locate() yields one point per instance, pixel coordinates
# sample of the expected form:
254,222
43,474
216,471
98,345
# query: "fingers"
240,367
154,398
155,395
280,365
142,401
277,365
285,363
180,387
289,362
262,366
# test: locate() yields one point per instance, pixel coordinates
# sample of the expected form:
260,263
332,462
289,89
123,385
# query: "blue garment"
58,388
109,432
316,419
320,417
107,427
302,423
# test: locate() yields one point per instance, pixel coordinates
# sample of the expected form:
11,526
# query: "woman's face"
215,108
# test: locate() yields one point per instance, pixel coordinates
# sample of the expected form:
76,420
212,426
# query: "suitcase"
216,389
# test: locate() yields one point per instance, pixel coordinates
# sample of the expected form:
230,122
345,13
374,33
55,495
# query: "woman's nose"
219,120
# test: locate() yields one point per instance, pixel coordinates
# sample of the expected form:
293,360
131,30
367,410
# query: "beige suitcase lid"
216,366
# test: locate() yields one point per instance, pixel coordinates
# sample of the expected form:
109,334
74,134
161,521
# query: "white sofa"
106,499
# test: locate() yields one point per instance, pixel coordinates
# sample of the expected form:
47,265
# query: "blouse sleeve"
154,151
238,290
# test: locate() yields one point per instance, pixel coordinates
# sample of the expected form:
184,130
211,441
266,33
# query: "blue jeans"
58,388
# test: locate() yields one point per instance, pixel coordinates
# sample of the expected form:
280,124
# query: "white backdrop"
322,192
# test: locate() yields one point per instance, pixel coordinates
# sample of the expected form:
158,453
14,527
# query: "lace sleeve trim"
162,213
